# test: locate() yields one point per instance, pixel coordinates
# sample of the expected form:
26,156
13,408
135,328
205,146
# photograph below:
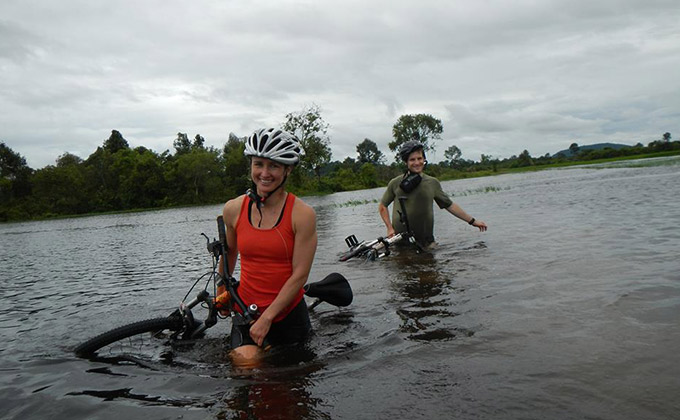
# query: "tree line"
116,177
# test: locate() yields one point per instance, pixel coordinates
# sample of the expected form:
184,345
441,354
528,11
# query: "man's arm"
457,211
385,216
387,199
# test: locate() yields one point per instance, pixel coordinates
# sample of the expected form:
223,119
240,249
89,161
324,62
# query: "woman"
275,234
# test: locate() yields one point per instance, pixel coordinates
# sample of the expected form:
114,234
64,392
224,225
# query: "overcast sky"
502,76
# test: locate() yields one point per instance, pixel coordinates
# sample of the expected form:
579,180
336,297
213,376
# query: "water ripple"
566,307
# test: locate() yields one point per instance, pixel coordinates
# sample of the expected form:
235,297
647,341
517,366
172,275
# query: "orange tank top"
266,258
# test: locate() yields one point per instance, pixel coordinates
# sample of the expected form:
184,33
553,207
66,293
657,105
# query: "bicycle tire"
91,346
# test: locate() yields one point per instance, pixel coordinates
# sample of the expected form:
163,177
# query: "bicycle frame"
380,247
247,314
192,328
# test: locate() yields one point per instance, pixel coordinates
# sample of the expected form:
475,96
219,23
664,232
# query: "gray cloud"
502,77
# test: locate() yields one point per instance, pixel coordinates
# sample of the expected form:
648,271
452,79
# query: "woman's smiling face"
267,174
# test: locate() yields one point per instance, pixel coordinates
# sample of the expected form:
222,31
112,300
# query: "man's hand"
479,224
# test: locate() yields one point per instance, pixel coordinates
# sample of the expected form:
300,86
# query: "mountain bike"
183,326
380,247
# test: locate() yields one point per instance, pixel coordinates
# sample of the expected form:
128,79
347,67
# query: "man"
421,190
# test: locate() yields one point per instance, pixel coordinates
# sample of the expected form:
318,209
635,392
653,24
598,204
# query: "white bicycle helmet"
277,145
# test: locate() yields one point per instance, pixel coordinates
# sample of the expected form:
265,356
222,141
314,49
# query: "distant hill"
598,146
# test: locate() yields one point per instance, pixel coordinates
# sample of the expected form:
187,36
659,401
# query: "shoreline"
443,177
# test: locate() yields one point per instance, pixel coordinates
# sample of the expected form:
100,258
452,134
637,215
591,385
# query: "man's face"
416,162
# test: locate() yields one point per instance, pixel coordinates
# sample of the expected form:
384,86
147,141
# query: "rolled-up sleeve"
388,195
441,198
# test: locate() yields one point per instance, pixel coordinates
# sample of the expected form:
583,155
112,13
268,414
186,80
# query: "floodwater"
568,307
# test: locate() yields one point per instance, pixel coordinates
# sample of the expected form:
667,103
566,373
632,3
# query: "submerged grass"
354,203
480,190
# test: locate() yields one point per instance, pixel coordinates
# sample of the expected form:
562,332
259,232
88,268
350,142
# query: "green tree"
62,189
14,174
666,137
182,144
453,154
349,162
15,183
198,143
102,182
420,127
107,177
524,159
345,179
196,177
574,148
122,168
115,142
311,129
68,159
369,153
235,166
142,185
368,175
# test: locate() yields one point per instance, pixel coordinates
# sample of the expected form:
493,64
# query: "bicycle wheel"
131,336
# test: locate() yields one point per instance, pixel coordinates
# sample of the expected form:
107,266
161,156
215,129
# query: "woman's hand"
260,329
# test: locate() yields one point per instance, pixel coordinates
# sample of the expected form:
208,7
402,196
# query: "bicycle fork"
193,328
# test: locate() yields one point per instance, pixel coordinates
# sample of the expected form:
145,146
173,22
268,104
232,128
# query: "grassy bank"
533,168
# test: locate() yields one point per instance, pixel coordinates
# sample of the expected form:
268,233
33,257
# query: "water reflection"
279,390
423,287
267,400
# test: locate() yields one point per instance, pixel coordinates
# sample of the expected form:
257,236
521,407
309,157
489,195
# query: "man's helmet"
409,147
277,145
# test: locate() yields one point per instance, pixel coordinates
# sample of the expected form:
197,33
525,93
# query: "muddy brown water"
567,308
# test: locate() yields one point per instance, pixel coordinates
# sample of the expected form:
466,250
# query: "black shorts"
294,328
